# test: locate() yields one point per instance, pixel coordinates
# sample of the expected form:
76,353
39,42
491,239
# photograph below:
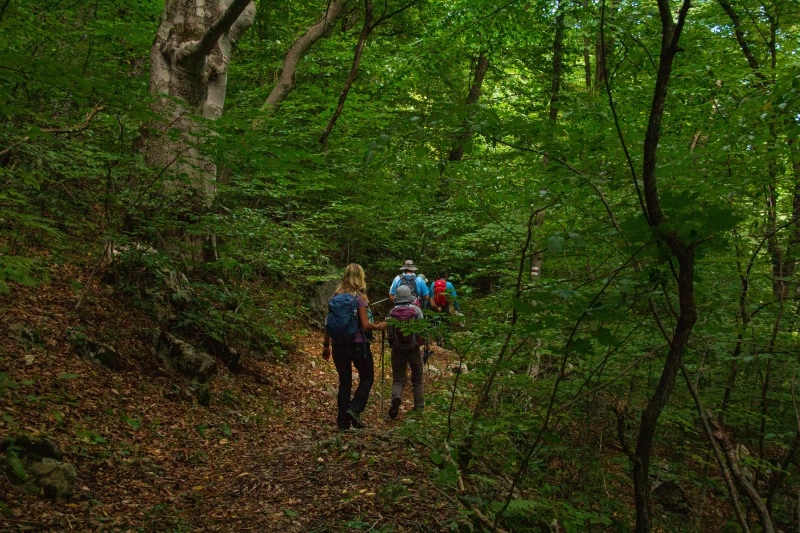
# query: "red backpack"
440,292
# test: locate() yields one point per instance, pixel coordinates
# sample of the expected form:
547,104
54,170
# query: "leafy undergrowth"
264,456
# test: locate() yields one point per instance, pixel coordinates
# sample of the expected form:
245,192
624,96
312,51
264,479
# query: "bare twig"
69,129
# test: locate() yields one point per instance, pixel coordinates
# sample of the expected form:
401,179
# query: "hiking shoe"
355,420
394,408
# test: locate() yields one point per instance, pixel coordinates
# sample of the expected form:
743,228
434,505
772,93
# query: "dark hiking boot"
394,408
355,420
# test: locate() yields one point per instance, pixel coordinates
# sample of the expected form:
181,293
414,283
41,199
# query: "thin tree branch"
602,59
315,32
69,129
206,44
737,30
560,409
726,474
3,10
540,152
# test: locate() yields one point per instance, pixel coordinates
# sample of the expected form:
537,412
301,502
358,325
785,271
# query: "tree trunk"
555,87
457,153
362,38
682,251
303,44
189,70
793,249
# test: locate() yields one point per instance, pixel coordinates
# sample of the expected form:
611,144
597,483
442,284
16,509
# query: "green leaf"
132,422
16,465
556,244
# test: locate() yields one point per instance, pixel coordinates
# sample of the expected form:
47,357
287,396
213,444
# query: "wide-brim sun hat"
402,295
408,265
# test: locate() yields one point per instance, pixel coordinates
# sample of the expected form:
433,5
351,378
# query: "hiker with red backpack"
346,326
443,292
405,340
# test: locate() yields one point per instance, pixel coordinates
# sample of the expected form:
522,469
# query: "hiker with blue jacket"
405,341
416,284
345,328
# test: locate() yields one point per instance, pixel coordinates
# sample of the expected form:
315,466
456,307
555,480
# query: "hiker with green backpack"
346,327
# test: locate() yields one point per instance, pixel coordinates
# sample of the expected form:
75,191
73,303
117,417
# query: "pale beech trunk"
303,44
189,72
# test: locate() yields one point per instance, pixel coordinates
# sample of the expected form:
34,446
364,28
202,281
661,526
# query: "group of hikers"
348,332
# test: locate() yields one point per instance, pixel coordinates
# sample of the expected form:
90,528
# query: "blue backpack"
342,320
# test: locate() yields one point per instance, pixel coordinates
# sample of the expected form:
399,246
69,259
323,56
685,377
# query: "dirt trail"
320,479
264,456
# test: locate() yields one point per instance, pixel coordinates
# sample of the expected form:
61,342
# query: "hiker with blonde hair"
346,328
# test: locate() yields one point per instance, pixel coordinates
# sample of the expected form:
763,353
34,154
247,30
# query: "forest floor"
264,456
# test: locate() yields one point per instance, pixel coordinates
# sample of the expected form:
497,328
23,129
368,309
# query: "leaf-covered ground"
264,456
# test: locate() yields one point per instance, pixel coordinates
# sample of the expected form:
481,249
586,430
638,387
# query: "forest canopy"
613,186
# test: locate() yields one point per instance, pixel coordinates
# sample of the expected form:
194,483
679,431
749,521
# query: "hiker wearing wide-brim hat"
408,266
417,286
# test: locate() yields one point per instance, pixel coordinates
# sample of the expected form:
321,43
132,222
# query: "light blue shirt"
422,289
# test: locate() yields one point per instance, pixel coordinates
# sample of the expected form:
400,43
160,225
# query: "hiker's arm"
366,324
432,304
455,296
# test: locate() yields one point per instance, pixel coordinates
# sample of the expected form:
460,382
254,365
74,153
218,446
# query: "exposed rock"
183,358
318,301
672,497
36,463
56,479
179,284
226,353
23,333
203,395
33,448
97,352
432,370
460,369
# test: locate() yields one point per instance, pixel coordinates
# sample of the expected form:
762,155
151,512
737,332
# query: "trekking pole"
383,349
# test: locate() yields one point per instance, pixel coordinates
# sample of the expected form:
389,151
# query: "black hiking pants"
346,355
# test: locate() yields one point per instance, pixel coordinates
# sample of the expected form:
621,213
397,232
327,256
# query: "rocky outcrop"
460,369
95,351
318,301
36,462
183,358
671,496
33,447
54,478
226,353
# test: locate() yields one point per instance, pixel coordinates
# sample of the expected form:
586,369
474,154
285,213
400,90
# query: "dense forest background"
614,187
